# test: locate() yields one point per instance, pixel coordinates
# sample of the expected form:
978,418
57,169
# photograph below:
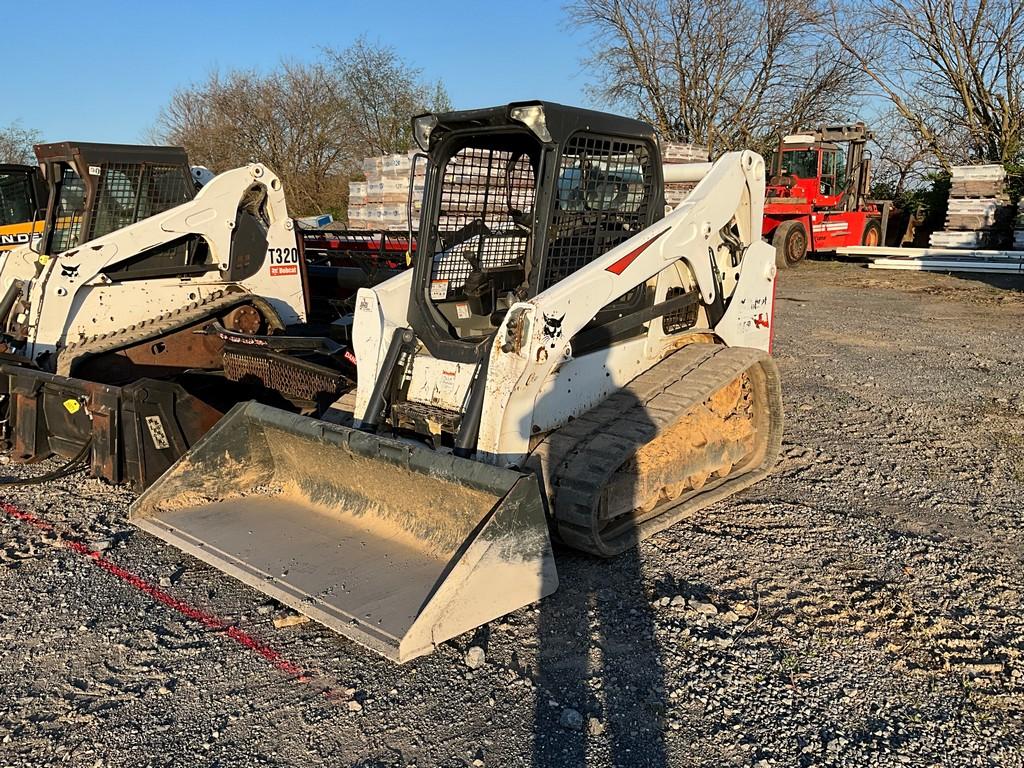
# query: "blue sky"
105,77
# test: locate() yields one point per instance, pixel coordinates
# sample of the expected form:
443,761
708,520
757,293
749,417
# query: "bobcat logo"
553,327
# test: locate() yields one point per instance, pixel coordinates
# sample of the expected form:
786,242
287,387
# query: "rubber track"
157,326
576,461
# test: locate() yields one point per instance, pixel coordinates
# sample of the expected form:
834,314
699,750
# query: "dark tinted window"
802,163
15,198
70,206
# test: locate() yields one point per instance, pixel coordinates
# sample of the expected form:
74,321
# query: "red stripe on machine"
620,266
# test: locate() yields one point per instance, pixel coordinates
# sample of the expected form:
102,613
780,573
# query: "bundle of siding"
979,212
673,152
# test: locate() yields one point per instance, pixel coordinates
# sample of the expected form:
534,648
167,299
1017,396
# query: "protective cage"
99,188
514,206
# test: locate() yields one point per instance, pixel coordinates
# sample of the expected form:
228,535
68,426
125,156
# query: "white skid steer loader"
564,357
106,309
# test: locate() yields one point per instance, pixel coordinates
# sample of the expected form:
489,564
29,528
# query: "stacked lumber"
381,202
979,211
673,152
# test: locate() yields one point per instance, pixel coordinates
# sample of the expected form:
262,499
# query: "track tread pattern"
155,327
575,471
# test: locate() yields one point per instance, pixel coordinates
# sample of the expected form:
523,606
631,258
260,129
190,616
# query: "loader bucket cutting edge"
393,545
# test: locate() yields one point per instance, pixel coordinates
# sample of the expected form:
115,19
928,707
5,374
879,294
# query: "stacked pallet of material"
381,202
478,181
673,152
979,211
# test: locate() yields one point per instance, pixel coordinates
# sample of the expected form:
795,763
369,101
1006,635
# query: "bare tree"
16,144
727,74
952,69
385,92
903,162
310,123
294,119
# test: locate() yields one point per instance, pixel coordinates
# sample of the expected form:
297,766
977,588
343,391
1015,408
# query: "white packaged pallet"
356,193
679,152
357,216
985,206
397,165
978,173
676,193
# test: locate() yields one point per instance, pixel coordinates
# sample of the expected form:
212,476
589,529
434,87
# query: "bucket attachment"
392,544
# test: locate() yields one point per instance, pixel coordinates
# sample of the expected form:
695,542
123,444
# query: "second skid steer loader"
564,356
100,319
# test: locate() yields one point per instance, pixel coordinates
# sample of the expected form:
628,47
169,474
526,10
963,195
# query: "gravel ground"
863,606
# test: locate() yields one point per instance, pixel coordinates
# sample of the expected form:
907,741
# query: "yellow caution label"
43,259
72,406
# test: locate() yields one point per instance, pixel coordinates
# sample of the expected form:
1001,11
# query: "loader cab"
828,167
22,194
96,189
815,172
517,198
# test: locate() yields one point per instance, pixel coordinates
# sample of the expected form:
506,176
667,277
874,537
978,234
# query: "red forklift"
816,199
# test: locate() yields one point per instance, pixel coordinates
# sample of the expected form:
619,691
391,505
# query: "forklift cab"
827,168
815,171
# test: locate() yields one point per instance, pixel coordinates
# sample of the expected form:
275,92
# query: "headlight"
532,116
422,127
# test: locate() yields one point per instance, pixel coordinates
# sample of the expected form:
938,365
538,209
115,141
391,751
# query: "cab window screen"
15,198
604,193
487,197
128,193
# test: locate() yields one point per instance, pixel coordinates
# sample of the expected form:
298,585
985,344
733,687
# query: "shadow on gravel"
600,679
600,665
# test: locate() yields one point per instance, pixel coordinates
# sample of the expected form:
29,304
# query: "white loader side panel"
751,314
582,382
379,311
534,333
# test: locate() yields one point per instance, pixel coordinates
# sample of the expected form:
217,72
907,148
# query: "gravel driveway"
863,606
